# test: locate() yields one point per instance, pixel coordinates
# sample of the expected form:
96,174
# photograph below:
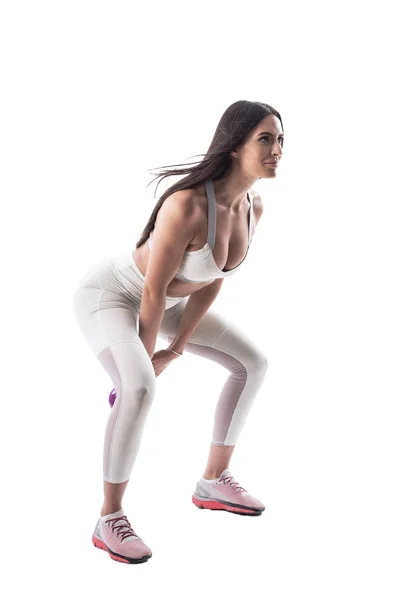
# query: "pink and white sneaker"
225,493
114,534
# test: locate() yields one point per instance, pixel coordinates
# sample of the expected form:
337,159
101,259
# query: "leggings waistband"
121,275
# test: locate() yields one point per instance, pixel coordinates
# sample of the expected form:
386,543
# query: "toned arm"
177,222
196,307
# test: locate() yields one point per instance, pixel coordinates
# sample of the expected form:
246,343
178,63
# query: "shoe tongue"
121,513
225,473
118,513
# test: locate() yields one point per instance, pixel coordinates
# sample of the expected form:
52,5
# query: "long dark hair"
236,122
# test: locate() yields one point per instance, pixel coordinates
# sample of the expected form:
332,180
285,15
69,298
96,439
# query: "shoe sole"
119,557
228,506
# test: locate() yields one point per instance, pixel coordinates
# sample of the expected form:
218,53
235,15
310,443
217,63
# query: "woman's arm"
196,307
152,309
177,222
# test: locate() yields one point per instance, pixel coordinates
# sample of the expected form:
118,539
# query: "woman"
198,233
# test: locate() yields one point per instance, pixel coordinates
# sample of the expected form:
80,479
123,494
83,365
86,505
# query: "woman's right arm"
152,310
178,221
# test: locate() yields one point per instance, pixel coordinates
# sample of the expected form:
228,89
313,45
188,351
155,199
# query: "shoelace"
232,482
123,534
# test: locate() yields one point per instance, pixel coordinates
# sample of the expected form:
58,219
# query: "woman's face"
263,145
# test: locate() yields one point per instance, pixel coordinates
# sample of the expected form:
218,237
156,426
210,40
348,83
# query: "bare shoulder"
181,206
181,200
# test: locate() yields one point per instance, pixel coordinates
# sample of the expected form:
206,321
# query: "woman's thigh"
107,303
105,318
217,338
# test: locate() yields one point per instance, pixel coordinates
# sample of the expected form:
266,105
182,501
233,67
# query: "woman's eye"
265,137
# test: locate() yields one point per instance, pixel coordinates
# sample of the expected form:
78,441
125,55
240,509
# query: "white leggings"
107,304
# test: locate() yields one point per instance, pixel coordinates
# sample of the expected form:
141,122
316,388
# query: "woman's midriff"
176,287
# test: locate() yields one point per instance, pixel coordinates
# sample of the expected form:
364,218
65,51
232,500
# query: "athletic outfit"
107,305
199,265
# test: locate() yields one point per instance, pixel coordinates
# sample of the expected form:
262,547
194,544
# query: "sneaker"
114,534
225,493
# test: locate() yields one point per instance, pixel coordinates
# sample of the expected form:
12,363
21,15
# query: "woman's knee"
240,345
145,387
263,362
258,362
135,394
130,369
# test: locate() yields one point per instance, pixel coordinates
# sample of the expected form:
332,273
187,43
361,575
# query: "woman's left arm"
196,307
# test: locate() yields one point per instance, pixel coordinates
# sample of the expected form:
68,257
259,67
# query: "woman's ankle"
108,511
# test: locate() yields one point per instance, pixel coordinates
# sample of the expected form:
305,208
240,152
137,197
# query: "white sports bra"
199,265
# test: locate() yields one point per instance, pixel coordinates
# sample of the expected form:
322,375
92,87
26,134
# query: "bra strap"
251,217
212,213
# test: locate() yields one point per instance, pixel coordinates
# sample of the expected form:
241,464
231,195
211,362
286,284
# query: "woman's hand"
161,360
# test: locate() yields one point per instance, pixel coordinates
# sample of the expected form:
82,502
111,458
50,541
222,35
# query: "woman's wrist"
174,351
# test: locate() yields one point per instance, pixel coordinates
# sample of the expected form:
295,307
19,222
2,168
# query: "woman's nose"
276,149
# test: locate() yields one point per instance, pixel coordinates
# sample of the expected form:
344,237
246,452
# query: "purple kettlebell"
112,397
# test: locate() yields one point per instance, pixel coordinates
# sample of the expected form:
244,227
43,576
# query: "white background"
94,95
